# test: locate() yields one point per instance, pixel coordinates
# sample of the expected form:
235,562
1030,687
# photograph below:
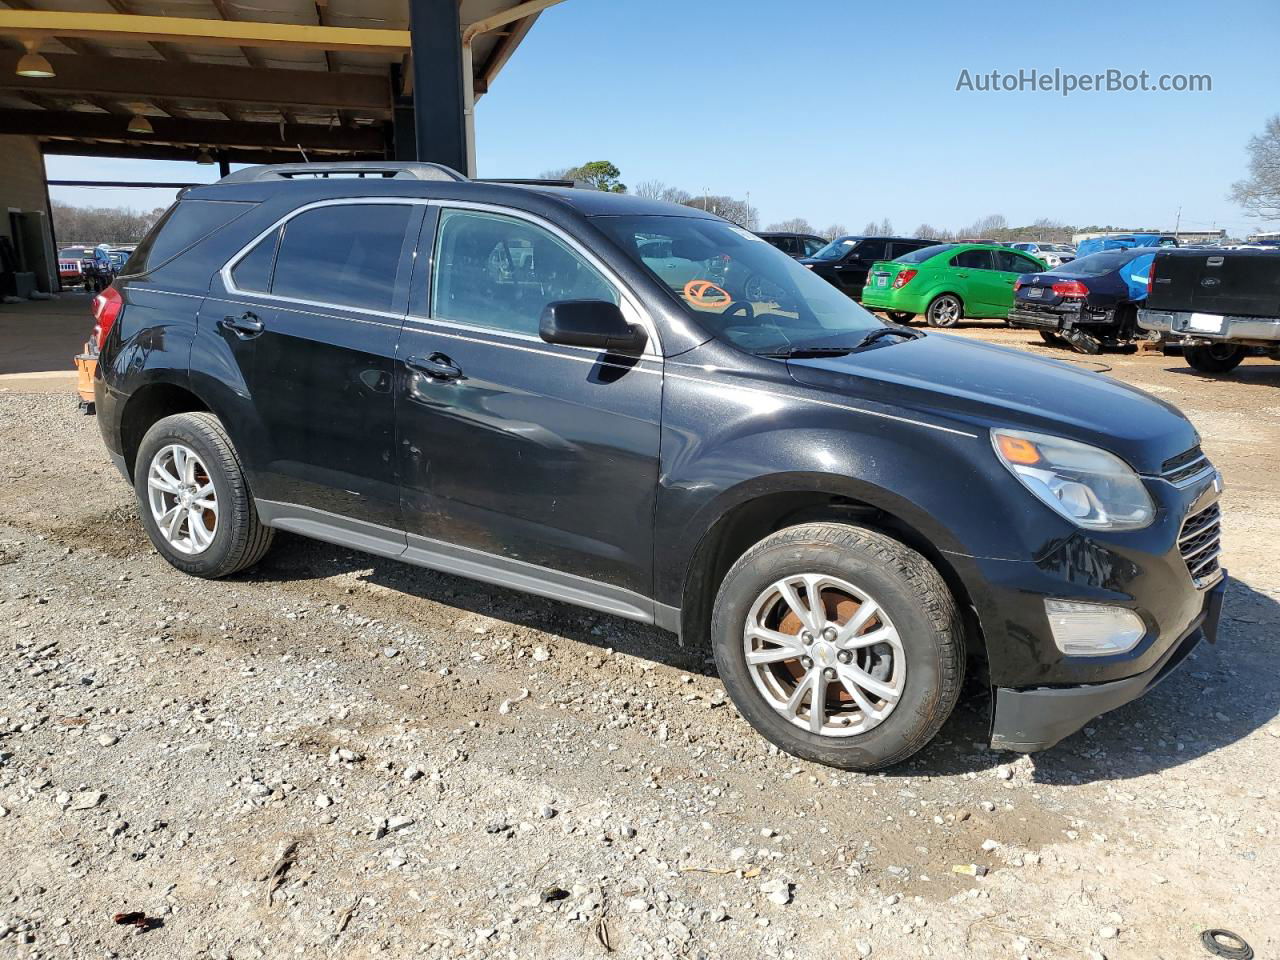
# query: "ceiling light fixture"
204,156
31,64
139,124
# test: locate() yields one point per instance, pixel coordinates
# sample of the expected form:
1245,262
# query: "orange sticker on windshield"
696,292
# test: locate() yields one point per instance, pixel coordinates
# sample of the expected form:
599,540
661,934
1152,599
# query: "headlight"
1088,486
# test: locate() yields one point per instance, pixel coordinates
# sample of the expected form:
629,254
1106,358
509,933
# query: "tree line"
94,225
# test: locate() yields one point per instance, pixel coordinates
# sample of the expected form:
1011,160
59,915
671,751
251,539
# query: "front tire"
1215,358
194,500
861,681
945,310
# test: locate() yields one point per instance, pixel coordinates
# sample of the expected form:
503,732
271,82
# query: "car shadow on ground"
295,558
1263,373
1221,694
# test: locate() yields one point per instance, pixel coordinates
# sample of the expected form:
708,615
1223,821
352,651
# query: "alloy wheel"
183,501
824,655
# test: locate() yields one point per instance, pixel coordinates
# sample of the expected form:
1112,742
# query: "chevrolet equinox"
646,410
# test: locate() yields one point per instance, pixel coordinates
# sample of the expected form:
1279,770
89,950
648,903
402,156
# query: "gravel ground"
336,755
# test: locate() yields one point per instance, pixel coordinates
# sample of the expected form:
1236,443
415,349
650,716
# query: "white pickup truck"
1220,306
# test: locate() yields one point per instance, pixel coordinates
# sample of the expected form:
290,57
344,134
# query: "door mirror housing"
598,324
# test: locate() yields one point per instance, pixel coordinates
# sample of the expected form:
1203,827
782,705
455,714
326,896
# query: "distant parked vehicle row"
1053,254
946,282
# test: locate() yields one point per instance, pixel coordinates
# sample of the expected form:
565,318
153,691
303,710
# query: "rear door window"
345,254
812,245
1011,261
872,249
973,260
184,224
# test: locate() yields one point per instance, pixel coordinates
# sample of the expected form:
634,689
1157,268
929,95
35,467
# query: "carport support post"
438,110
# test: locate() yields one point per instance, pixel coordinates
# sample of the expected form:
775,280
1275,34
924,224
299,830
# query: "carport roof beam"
33,24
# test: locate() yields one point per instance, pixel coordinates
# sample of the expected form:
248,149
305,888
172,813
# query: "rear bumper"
1038,319
1258,330
1026,720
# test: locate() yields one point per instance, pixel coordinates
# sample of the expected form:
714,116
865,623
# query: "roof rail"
379,169
533,182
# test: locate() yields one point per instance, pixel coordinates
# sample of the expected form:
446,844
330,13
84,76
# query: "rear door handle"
246,325
437,367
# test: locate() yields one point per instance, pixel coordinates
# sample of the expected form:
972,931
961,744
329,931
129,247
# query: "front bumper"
1210,328
1032,719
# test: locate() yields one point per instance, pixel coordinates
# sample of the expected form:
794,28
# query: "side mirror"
590,323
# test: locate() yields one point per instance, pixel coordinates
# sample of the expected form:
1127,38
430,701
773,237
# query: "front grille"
1200,545
1185,465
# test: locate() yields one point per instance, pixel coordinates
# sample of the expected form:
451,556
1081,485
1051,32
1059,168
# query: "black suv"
846,261
567,392
793,244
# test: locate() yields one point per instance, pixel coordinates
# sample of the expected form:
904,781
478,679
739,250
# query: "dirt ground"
334,755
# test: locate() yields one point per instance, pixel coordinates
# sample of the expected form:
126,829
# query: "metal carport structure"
235,82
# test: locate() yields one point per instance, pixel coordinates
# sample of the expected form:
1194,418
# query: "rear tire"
1215,358
945,310
900,316
205,524
1052,338
914,673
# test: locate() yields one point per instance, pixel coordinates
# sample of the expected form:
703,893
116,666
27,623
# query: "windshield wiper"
882,332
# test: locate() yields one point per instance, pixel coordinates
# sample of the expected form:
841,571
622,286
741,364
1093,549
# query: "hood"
989,386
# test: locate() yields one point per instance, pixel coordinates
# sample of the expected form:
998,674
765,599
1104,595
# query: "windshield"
924,253
1096,264
737,286
1055,247
836,249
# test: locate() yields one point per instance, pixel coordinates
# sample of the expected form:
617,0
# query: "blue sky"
847,112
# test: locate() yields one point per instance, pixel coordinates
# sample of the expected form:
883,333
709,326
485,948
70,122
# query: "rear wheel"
1053,338
839,645
944,311
1215,358
900,316
194,500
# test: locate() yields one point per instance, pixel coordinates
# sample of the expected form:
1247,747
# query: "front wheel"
194,500
1215,358
839,645
944,311
1052,338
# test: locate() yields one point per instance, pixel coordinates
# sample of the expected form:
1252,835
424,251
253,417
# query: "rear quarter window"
183,225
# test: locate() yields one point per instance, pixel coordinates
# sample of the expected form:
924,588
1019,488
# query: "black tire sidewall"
185,430
916,710
1202,359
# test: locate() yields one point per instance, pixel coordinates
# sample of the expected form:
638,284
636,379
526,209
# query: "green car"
948,281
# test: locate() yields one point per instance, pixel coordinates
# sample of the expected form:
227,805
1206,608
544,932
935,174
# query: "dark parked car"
845,261
1088,303
491,380
793,244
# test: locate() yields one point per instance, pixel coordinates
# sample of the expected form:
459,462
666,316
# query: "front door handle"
246,325
437,367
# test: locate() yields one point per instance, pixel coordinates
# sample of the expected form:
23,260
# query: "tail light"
106,308
1070,288
1151,278
902,279
1017,285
